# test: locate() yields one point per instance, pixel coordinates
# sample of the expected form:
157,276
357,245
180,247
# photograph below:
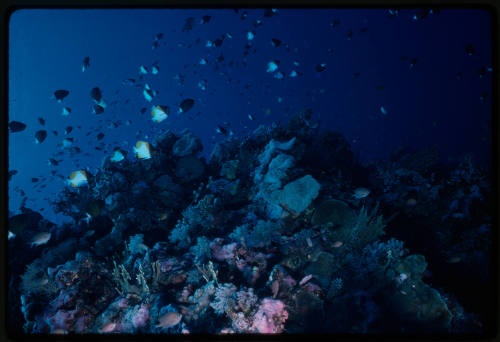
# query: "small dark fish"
393,12
356,75
34,180
335,22
221,130
55,133
60,94
40,136
68,130
275,42
205,19
129,81
96,94
269,13
155,45
188,24
53,162
12,173
380,87
244,15
218,42
41,121
363,30
349,35
100,136
469,49
143,110
16,126
159,36
481,72
96,109
86,63
321,67
186,105
413,62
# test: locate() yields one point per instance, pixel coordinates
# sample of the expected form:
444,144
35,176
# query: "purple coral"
141,317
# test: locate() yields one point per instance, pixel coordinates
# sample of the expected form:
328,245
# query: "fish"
100,136
96,94
55,133
66,111
142,150
129,81
78,178
305,279
383,110
309,242
34,180
40,136
202,84
155,69
118,155
275,287
250,35
143,70
40,239
155,45
275,42
186,105
411,202
205,19
53,162
272,66
279,75
97,109
60,94
12,173
481,72
356,74
68,130
159,36
454,259
218,42
159,113
203,61
67,142
86,63
337,244
413,61
321,67
221,130
148,94
16,126
361,193
270,12
41,121
469,49
349,35
250,116
188,24
293,73
335,22
108,327
169,320
11,235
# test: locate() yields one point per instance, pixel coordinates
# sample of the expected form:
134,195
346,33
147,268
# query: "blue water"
426,105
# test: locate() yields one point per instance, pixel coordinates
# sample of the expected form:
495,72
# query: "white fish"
169,320
40,239
117,156
142,150
250,35
66,111
155,69
11,235
159,113
293,73
209,43
143,70
383,110
78,178
66,143
361,193
148,94
272,66
250,116
108,327
203,61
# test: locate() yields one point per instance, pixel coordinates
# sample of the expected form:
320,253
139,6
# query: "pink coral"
270,317
225,252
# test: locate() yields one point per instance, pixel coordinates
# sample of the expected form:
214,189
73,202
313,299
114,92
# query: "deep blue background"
426,105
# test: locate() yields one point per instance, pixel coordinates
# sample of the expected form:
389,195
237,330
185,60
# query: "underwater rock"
165,140
335,211
188,144
229,169
299,194
189,168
